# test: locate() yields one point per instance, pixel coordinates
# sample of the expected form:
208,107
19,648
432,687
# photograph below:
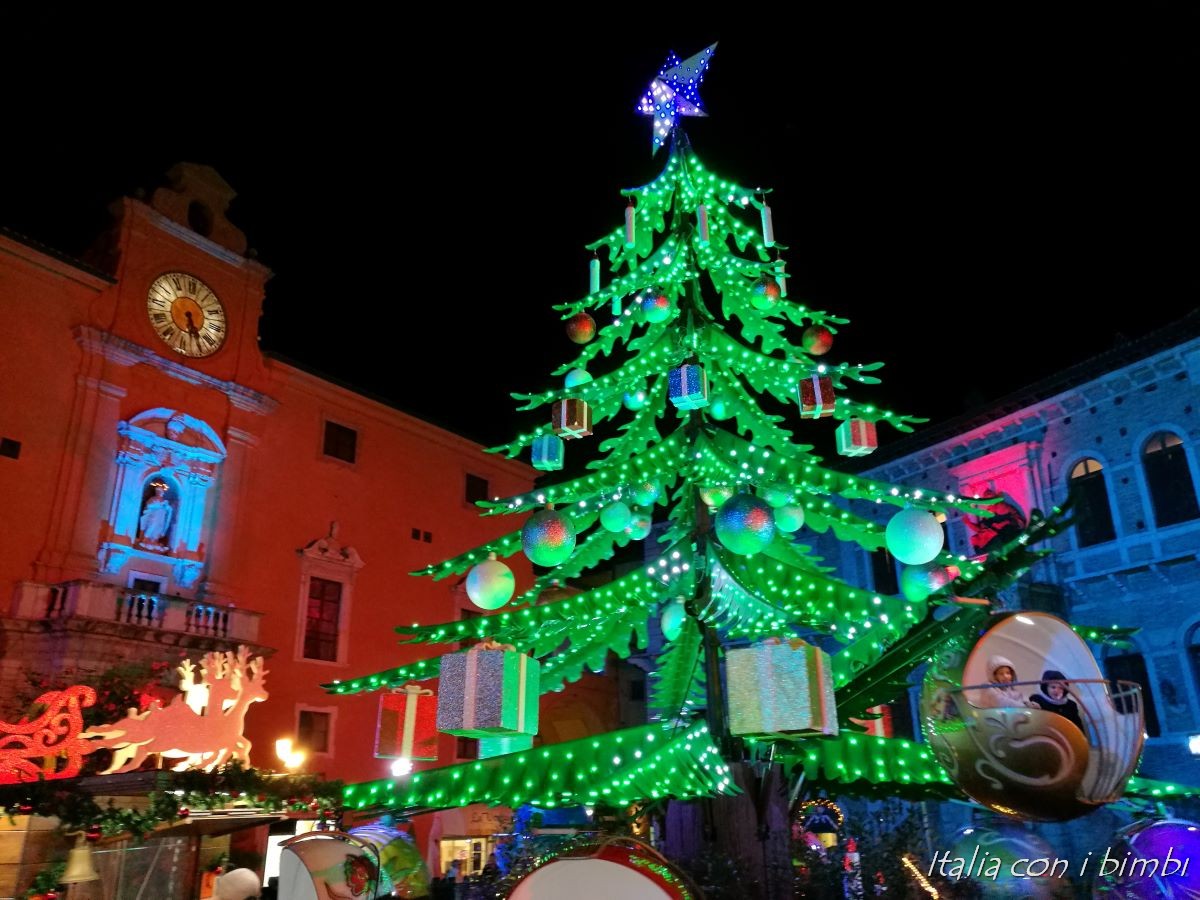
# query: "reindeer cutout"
202,727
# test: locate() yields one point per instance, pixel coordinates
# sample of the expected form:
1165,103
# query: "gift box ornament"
548,451
816,397
487,691
500,746
688,386
856,437
407,724
780,688
571,419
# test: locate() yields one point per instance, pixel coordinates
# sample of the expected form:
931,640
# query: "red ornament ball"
817,340
655,306
184,812
581,328
25,809
92,834
765,294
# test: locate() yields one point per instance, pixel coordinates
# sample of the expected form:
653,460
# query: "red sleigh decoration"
49,746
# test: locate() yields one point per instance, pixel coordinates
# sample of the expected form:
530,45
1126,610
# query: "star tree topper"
675,92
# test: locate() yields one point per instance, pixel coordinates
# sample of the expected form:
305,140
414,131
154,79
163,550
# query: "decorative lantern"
548,452
488,690
688,386
780,688
571,418
816,397
856,437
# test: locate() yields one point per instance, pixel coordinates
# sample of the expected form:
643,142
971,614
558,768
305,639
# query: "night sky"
987,200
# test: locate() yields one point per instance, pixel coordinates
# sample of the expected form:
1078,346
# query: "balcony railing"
161,612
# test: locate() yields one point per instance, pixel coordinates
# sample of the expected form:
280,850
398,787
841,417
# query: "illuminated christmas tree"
705,366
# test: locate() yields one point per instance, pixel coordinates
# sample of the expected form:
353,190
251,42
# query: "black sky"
987,199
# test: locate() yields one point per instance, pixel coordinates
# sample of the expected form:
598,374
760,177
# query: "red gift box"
816,397
407,724
571,419
856,437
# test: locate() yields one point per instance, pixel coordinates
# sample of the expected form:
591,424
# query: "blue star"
675,92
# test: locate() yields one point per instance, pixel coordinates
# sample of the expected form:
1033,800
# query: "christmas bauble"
548,538
577,377
817,340
673,615
646,493
1169,841
745,525
634,400
765,293
615,517
918,582
716,495
490,584
989,853
719,407
776,496
789,517
914,536
640,524
581,328
655,306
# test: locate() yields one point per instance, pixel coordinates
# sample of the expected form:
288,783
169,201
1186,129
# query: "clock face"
186,314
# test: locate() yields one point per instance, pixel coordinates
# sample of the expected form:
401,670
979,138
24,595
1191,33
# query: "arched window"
1094,523
1169,481
1132,667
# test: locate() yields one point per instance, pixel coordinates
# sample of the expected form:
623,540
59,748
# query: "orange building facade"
166,487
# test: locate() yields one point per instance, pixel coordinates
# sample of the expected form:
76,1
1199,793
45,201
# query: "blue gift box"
688,387
548,452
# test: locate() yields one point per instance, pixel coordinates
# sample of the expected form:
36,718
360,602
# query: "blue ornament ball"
918,582
646,494
615,517
655,306
639,525
577,377
634,400
789,517
548,538
914,536
490,584
673,615
745,525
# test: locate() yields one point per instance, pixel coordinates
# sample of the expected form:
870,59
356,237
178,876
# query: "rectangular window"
340,442
477,488
312,733
322,619
10,448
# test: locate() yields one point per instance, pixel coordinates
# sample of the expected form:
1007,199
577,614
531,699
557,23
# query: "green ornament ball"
914,536
548,538
655,306
789,517
918,582
634,400
577,377
719,407
765,294
745,525
776,496
646,494
674,614
639,525
490,584
715,495
615,517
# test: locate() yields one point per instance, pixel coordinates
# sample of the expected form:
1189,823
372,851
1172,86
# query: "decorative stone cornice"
329,549
126,353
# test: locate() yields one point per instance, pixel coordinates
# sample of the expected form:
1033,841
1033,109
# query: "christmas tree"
695,389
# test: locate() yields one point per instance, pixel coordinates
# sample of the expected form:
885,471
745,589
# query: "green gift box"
780,689
487,691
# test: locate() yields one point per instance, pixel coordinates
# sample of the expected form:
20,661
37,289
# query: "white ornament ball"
639,525
789,517
914,536
673,615
615,517
577,377
490,584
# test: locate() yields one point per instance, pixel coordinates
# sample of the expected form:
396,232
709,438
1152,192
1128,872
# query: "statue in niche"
154,525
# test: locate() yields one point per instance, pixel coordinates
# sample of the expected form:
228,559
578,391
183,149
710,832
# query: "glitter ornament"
780,688
765,293
634,400
655,306
615,517
745,525
646,494
817,340
719,407
918,582
548,538
673,615
488,691
640,525
581,328
576,377
491,583
789,517
715,495
776,496
914,536
547,452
